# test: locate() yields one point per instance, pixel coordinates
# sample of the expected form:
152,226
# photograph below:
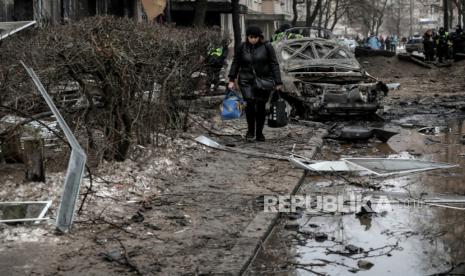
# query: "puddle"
403,240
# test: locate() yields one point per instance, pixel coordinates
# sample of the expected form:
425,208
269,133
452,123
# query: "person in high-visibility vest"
442,44
279,33
216,58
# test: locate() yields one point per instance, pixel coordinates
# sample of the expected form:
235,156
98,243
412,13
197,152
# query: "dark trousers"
256,114
442,52
429,51
255,111
213,77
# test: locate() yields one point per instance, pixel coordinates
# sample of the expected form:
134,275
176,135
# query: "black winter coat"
263,59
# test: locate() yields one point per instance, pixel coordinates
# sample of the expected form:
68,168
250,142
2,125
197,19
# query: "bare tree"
236,24
369,14
311,16
340,10
332,11
295,12
445,6
458,5
463,13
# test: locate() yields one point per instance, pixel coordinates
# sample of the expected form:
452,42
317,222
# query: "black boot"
250,116
261,116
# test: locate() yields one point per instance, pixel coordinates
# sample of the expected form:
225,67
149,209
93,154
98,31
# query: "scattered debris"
376,166
355,133
413,59
366,209
354,249
365,265
433,130
393,85
294,215
213,144
320,237
24,211
292,226
76,163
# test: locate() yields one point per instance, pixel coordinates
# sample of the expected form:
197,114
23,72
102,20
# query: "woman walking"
257,66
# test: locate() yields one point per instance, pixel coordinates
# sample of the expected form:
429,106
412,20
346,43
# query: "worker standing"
428,45
394,43
442,44
216,59
458,42
279,33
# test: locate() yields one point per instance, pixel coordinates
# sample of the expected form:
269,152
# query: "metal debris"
24,211
9,28
213,144
375,166
393,86
76,163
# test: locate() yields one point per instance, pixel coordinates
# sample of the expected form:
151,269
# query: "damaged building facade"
57,11
268,14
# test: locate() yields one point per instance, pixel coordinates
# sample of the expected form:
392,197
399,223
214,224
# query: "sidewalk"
201,220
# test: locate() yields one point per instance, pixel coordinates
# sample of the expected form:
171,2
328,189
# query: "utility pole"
445,4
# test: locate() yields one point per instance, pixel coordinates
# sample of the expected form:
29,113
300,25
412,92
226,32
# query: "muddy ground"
184,208
181,208
404,239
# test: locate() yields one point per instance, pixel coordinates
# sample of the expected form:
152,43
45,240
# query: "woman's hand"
279,87
231,85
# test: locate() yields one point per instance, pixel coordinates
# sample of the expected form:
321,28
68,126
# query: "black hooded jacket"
263,59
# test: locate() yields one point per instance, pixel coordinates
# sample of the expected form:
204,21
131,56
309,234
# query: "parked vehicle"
349,43
414,44
320,76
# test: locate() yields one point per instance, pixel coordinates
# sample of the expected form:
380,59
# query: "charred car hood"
316,55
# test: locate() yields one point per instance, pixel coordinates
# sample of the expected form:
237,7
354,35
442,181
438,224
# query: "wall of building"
268,6
16,10
56,11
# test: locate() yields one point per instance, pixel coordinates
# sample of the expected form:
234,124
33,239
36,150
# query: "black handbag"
278,115
262,83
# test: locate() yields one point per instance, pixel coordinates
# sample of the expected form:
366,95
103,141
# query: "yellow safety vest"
216,52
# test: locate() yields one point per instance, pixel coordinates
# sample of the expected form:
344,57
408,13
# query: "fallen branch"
127,259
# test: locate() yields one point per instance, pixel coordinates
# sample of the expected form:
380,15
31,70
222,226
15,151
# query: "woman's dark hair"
254,31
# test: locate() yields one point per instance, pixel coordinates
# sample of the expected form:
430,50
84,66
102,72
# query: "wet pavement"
400,239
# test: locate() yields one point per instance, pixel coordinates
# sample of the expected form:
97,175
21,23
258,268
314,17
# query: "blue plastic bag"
232,106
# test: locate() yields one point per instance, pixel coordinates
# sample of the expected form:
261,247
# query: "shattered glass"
377,166
23,211
386,166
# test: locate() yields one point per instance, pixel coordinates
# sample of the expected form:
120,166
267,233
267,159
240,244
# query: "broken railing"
76,162
10,28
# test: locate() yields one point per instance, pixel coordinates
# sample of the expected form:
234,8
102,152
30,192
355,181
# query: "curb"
240,257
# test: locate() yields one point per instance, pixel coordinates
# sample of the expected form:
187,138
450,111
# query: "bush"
134,77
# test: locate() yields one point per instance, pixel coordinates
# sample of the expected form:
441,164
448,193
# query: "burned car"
322,77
